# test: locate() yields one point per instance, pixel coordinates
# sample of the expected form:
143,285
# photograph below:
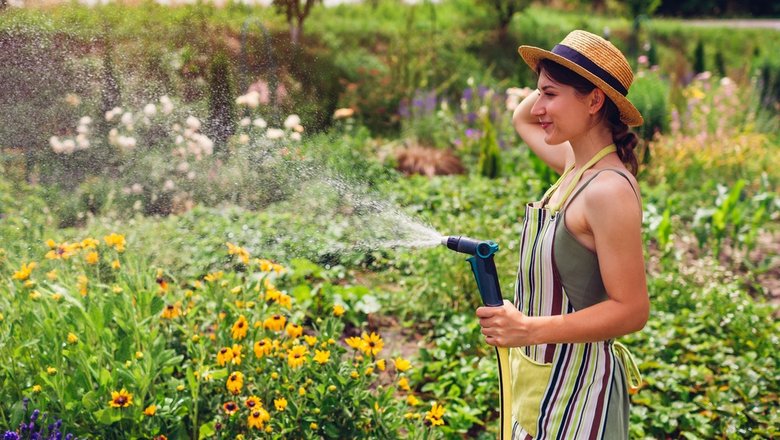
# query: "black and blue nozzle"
482,265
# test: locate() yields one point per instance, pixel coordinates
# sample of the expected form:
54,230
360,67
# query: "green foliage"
698,57
489,164
650,94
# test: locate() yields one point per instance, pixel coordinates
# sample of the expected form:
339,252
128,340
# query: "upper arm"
615,219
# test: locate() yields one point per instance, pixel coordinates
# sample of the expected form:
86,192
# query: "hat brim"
628,113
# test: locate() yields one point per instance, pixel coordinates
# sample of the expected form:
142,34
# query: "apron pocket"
529,382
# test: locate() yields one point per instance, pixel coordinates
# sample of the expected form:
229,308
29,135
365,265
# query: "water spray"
484,269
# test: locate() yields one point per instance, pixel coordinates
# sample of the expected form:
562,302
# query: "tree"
296,12
505,10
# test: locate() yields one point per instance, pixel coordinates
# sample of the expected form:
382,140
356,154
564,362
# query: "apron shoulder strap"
579,190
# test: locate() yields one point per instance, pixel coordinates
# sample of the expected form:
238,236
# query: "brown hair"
625,140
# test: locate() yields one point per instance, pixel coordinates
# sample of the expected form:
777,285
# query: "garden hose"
484,269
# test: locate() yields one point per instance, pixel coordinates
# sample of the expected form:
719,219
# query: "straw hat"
597,60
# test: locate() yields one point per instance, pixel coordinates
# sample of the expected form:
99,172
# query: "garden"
221,220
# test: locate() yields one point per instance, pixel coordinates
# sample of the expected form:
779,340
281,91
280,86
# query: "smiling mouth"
545,125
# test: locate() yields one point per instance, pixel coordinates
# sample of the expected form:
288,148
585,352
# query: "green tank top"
576,266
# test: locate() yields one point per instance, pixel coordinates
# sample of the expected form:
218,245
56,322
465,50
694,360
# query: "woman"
581,281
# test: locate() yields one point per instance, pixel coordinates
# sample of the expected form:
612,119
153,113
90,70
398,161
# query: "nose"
538,108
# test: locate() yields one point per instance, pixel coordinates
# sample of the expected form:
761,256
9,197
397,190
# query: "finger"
486,312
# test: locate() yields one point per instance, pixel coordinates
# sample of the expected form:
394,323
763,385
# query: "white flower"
183,167
126,142
292,121
274,133
179,140
176,127
243,139
167,104
72,99
127,118
260,123
137,188
295,136
68,146
82,129
82,142
56,145
470,82
193,122
191,175
206,145
245,122
169,185
150,109
298,128
251,99
85,120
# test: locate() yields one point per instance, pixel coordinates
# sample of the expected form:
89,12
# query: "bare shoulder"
611,197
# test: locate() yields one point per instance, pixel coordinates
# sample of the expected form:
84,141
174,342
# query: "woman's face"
562,113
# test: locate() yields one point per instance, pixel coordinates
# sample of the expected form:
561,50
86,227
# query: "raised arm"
529,128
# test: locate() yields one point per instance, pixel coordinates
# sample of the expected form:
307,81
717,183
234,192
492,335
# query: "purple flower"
472,133
430,102
35,415
471,118
482,91
468,94
10,435
403,109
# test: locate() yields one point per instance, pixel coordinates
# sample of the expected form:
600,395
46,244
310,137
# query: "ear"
596,101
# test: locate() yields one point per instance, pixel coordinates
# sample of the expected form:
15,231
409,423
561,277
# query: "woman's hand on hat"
505,326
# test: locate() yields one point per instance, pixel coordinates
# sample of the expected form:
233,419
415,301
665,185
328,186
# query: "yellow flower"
150,410
274,375
116,241
403,383
56,296
355,342
214,276
435,415
240,328
25,272
72,339
369,371
172,311
278,268
373,344
311,341
354,374
285,301
116,289
294,330
321,357
35,295
258,417
161,281
272,294
381,364
82,284
313,426
297,356
301,391
51,371
139,355
92,257
236,354
36,389
230,407
253,402
332,388
62,251
338,310
236,290
242,253
280,404
235,382
120,399
402,364
115,264
265,265
51,243
275,323
224,356
51,275
262,348
411,400
89,243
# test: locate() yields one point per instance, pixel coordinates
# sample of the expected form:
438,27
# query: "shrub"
650,94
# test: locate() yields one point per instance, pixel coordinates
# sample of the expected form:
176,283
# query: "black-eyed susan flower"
253,402
411,400
51,371
92,257
224,355
62,251
280,404
235,382
285,301
120,399
381,364
373,344
25,271
297,356
238,251
262,348
275,323
116,241
172,311
214,276
435,415
257,418
403,383
89,243
369,371
311,341
321,357
338,310
116,264
355,342
402,364
294,330
236,354
150,410
240,327
354,374
161,281
265,265
230,407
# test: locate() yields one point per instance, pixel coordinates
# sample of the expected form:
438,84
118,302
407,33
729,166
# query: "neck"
589,144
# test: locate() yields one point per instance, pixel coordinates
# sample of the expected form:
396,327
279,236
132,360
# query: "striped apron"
558,391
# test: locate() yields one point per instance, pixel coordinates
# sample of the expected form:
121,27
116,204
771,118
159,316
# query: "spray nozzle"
465,245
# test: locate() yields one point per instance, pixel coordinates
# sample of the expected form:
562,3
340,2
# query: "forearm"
606,320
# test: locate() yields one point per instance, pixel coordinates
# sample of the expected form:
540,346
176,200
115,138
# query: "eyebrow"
548,86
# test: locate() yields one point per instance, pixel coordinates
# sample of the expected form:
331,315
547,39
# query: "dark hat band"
584,62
